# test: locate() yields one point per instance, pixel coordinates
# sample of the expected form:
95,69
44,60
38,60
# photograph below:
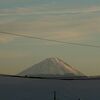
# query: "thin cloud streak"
5,39
51,40
30,11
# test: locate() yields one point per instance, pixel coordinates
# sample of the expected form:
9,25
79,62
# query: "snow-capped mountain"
51,67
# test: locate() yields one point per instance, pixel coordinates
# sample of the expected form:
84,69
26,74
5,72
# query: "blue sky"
64,20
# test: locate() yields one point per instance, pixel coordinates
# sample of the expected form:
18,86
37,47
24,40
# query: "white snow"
51,67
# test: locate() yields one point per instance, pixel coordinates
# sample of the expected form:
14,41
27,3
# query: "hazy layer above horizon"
64,20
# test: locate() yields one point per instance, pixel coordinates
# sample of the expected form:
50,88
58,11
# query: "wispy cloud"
32,10
50,25
16,11
5,38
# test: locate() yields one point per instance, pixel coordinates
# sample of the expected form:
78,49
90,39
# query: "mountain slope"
51,67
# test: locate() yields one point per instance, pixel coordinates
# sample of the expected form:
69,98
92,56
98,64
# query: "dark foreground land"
24,88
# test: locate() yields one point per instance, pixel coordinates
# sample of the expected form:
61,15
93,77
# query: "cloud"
48,24
13,54
55,27
93,9
5,38
49,10
15,11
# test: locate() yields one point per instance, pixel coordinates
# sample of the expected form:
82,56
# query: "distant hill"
51,67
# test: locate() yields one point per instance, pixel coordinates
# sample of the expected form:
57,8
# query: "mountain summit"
51,67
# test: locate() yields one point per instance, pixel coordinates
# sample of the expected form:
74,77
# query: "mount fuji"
51,67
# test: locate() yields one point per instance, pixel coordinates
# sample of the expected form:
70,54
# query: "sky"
74,21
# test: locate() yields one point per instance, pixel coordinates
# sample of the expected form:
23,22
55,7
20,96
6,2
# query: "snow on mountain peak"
51,67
